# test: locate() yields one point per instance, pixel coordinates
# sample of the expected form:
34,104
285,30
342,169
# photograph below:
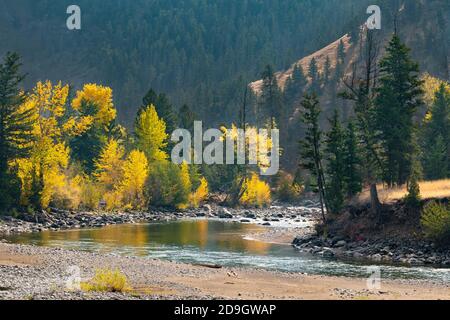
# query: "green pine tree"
335,164
314,75
186,118
399,96
352,162
271,98
163,107
311,155
436,138
15,128
327,70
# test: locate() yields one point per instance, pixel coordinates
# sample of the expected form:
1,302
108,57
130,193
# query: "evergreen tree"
362,93
436,137
327,71
94,102
295,86
186,118
335,164
340,59
413,197
352,162
399,96
435,159
314,75
311,154
163,107
271,97
15,128
341,52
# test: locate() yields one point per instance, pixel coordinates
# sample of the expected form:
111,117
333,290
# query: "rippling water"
212,241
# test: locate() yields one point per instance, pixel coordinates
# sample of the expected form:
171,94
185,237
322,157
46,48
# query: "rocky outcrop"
401,251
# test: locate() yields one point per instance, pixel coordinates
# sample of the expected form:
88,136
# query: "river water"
216,242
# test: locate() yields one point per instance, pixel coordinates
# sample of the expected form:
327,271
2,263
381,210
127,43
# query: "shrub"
91,194
256,193
68,196
167,185
288,190
107,281
412,199
435,221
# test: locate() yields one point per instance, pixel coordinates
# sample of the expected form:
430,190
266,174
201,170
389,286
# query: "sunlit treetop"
99,98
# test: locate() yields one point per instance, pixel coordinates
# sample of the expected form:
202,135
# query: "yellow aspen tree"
200,195
42,174
135,173
109,173
185,186
151,136
99,96
256,192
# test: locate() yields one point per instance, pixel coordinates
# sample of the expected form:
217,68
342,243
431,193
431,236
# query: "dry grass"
428,190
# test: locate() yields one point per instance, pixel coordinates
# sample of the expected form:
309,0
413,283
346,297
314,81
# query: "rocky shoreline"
56,219
412,252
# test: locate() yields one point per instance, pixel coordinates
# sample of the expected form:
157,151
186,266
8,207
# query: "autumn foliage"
106,168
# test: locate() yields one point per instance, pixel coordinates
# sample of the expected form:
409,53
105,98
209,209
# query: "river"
214,242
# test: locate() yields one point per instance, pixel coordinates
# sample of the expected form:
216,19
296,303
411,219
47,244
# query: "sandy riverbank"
28,272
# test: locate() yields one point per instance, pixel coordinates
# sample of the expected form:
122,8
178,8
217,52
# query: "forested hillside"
198,52
422,25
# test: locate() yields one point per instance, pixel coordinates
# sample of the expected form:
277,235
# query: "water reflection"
203,234
209,241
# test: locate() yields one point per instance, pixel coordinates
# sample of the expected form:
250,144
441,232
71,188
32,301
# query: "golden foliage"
107,281
256,193
151,134
91,193
49,154
98,96
135,173
257,144
430,86
109,165
200,195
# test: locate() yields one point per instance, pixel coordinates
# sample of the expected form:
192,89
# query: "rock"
266,224
376,257
224,214
341,243
245,221
249,215
446,263
327,253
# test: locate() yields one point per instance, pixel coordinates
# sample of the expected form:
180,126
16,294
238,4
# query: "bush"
412,199
168,185
107,281
91,194
435,221
287,189
256,193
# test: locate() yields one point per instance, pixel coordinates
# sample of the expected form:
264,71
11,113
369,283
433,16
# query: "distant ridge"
320,56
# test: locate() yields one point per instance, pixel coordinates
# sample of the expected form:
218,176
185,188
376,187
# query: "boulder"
224,213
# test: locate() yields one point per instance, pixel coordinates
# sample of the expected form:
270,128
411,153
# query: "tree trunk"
375,204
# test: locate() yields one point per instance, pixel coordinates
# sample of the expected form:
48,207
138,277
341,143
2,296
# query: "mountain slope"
199,52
